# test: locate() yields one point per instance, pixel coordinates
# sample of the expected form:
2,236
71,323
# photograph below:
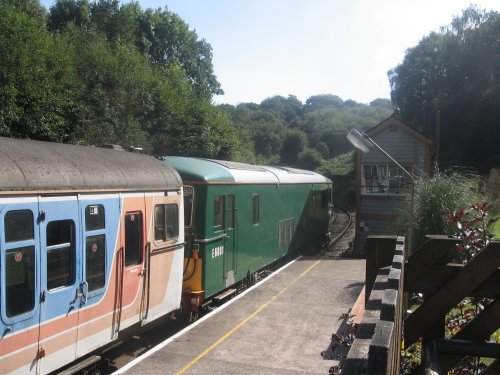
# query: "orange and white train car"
91,248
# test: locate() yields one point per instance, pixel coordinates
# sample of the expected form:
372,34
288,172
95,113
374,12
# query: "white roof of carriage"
218,171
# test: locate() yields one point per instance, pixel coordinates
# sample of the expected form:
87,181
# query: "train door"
97,247
130,261
230,251
20,289
62,290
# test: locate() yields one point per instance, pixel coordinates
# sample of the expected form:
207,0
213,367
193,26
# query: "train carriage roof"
217,171
35,165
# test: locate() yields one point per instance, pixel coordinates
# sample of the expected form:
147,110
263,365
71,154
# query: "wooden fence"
376,349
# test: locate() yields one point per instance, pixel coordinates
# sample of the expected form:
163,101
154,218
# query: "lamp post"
362,142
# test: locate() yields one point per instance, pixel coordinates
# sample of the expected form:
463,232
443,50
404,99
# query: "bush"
443,192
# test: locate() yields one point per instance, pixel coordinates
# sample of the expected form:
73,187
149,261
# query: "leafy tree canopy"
456,73
106,72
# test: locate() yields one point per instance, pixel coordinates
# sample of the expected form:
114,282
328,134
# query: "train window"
230,211
218,212
18,225
19,280
166,222
133,238
255,210
94,217
160,223
95,256
95,247
188,205
60,253
172,221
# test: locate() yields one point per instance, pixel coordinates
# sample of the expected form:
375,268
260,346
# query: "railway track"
342,234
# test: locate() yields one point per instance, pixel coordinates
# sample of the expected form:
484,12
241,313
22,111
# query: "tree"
309,159
322,149
64,12
36,79
455,72
294,143
119,23
323,101
290,109
166,39
30,8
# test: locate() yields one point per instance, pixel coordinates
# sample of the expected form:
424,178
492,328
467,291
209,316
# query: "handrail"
213,239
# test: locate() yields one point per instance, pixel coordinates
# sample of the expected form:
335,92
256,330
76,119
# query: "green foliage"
443,192
309,159
341,165
36,79
275,126
106,72
322,149
65,12
166,39
109,72
294,143
456,72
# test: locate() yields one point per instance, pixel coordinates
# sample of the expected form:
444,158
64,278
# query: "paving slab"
280,327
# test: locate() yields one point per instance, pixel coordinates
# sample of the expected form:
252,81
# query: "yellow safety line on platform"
244,321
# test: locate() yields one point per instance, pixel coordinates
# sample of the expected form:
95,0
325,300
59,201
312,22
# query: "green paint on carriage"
233,238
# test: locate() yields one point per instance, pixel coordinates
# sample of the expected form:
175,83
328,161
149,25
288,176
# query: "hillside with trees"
305,135
455,72
105,72
100,72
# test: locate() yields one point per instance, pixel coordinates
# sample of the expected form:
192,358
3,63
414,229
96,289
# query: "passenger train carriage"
89,246
240,218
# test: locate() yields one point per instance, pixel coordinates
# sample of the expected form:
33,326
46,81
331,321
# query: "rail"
390,279
343,231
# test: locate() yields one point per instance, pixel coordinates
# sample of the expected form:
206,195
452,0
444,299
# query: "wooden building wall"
377,210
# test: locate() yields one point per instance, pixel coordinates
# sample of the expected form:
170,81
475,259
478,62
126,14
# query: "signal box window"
166,222
133,238
60,253
218,212
384,179
19,263
255,210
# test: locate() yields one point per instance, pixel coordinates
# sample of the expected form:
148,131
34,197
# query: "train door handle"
83,294
6,331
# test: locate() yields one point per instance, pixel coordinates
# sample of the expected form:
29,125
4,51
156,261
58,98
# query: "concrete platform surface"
279,327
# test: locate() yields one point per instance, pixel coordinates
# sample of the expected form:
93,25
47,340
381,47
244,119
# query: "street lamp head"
359,141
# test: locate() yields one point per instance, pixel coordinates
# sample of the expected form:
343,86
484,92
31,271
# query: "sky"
263,48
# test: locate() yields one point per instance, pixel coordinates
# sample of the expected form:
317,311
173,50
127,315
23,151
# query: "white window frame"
384,179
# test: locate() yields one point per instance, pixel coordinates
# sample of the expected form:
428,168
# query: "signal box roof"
27,165
200,170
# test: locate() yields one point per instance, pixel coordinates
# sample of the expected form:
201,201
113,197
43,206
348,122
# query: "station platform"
279,326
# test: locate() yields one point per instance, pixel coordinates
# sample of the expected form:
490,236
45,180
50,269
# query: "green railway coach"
240,218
